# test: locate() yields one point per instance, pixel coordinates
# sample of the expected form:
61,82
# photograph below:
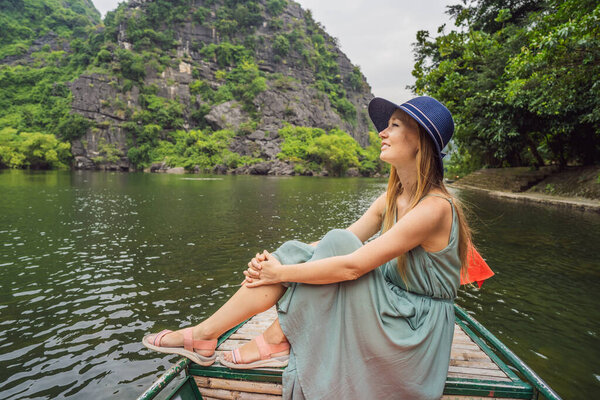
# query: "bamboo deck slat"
467,360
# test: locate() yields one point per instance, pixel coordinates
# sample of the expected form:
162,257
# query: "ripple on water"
539,355
25,293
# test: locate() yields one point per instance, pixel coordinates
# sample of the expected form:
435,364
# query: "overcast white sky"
374,34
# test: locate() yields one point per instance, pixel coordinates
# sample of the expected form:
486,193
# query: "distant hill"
205,85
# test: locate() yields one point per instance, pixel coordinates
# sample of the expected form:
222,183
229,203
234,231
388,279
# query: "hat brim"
380,111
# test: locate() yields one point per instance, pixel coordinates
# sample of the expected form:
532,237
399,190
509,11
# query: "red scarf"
478,270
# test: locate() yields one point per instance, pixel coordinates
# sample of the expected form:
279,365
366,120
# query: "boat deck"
475,370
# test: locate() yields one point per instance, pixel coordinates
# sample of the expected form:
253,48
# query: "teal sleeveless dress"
371,338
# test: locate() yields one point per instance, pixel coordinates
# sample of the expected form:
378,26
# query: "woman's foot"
184,342
250,352
269,356
175,339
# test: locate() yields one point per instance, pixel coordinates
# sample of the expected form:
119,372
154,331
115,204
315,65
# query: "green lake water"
91,261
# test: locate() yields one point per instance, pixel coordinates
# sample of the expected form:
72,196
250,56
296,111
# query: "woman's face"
399,141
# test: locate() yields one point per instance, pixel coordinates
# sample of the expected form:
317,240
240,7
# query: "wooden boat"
481,367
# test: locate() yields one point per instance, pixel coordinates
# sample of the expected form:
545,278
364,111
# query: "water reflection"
90,262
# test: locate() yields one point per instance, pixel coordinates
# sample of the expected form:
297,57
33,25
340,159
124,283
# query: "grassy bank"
575,182
575,187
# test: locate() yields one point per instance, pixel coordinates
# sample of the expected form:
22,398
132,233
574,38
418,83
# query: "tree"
32,150
521,85
555,78
337,151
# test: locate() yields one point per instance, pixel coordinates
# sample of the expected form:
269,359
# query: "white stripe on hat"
434,127
423,124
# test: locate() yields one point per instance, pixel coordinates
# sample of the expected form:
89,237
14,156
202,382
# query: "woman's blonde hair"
429,177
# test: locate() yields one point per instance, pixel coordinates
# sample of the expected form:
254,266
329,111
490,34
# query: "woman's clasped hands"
262,270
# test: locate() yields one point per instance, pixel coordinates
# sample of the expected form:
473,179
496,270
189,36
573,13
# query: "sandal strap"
190,344
205,344
236,356
188,341
159,336
265,349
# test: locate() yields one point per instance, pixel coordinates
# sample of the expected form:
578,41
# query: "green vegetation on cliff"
195,148
47,45
238,78
312,148
32,150
33,95
23,21
521,79
242,83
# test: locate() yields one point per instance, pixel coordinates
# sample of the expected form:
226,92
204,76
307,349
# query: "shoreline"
183,171
573,203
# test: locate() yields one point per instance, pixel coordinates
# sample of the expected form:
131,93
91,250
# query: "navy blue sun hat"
427,111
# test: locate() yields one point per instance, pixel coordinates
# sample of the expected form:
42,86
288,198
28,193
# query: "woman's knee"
289,245
341,241
341,235
293,252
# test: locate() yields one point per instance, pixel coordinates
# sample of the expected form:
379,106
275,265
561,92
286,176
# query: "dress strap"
427,195
437,195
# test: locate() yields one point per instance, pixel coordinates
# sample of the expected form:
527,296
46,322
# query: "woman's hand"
265,273
254,267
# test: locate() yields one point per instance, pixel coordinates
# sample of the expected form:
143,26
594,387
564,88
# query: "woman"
363,321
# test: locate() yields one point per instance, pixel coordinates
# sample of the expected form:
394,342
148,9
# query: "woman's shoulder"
437,202
438,209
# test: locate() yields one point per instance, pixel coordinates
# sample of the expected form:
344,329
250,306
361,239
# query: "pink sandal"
265,350
189,345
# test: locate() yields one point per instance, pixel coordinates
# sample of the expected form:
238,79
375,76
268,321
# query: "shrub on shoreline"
313,149
32,150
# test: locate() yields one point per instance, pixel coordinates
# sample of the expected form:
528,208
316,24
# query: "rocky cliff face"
90,94
294,100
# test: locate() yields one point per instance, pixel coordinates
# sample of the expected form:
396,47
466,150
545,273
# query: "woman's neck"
408,179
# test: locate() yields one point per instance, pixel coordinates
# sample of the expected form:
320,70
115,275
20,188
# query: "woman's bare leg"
249,351
245,303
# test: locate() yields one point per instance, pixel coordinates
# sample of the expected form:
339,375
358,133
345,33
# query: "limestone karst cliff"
157,67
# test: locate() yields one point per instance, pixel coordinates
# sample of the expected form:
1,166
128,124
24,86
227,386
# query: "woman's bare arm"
370,223
414,228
